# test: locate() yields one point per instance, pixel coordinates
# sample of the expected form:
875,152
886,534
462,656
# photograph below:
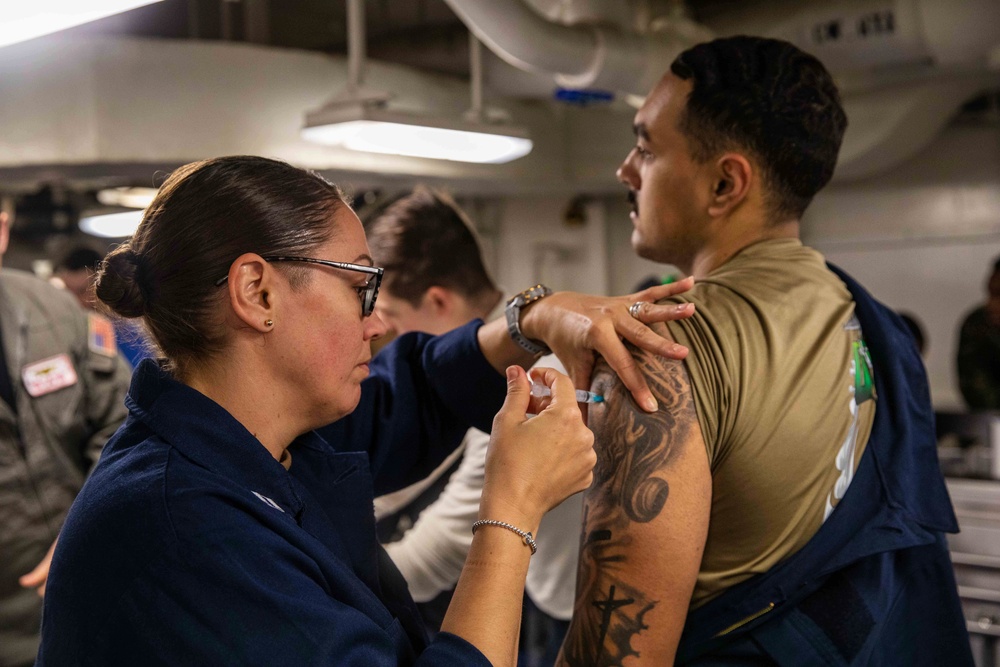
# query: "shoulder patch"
101,335
48,375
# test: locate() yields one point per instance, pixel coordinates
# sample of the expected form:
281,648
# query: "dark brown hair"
772,100
205,215
424,240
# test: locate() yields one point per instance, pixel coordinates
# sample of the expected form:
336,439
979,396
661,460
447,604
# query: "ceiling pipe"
475,111
356,45
526,40
257,21
580,56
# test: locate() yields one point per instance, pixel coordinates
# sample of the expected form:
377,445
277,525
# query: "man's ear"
253,292
439,300
733,178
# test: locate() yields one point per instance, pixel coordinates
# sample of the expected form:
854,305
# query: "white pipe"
604,12
226,17
476,77
355,44
575,56
526,40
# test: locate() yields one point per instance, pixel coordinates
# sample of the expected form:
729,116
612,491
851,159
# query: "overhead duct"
904,67
890,125
83,109
578,56
863,41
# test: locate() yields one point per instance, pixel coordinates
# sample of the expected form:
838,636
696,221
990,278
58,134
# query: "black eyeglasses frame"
370,290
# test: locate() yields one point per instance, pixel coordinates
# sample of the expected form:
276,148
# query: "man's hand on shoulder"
578,327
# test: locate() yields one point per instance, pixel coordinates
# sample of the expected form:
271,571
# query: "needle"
540,390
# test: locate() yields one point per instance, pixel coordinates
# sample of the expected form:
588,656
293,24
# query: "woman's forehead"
349,234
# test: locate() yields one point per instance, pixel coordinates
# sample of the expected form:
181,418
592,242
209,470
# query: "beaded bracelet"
526,536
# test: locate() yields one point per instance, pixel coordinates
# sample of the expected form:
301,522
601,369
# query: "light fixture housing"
127,197
358,119
21,21
114,225
373,129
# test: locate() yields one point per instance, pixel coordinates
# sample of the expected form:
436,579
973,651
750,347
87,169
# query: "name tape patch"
48,375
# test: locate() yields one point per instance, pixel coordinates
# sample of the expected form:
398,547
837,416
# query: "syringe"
539,390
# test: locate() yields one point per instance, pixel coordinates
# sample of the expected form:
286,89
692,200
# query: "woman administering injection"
230,519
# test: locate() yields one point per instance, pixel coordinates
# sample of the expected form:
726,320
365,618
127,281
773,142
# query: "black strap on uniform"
6,387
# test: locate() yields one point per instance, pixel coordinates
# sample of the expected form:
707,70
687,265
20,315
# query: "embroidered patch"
101,337
48,375
268,501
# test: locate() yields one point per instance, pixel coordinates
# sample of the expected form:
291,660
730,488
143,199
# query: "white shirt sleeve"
432,553
390,503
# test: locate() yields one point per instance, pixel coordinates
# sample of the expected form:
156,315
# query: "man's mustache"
633,201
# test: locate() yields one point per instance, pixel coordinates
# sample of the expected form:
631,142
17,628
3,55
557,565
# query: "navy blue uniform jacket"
191,545
875,585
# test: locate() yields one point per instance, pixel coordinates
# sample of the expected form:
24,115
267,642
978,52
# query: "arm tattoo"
633,446
634,451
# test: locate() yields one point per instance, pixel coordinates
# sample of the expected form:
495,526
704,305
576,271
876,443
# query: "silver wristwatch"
513,313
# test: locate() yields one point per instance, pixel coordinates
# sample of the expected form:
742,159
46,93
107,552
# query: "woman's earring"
268,323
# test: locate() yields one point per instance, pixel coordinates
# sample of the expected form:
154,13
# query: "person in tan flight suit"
62,392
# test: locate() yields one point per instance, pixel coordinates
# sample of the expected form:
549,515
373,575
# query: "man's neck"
486,304
726,246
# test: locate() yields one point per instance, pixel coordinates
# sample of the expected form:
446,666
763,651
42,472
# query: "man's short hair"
424,240
81,258
769,98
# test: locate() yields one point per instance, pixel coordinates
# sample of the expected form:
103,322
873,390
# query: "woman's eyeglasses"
366,293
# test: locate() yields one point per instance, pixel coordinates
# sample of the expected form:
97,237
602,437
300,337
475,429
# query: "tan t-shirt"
774,361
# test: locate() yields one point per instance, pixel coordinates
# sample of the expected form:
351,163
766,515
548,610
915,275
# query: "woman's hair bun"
118,283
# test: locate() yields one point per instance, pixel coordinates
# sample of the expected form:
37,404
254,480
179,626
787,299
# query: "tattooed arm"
645,522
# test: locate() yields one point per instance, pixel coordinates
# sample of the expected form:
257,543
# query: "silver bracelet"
525,536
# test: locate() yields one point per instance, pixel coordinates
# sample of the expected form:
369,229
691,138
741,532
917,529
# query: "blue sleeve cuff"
463,378
424,394
449,649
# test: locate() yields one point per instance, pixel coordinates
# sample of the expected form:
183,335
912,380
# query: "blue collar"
206,433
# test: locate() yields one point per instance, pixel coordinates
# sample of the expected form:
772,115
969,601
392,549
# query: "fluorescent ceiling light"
112,225
127,197
21,21
372,130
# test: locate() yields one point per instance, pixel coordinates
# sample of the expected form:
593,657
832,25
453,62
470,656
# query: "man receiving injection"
435,281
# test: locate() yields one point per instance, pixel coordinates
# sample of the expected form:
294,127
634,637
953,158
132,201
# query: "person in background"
62,391
783,504
916,330
979,350
436,282
230,519
76,272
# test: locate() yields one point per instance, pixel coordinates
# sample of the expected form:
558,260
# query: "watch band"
513,314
